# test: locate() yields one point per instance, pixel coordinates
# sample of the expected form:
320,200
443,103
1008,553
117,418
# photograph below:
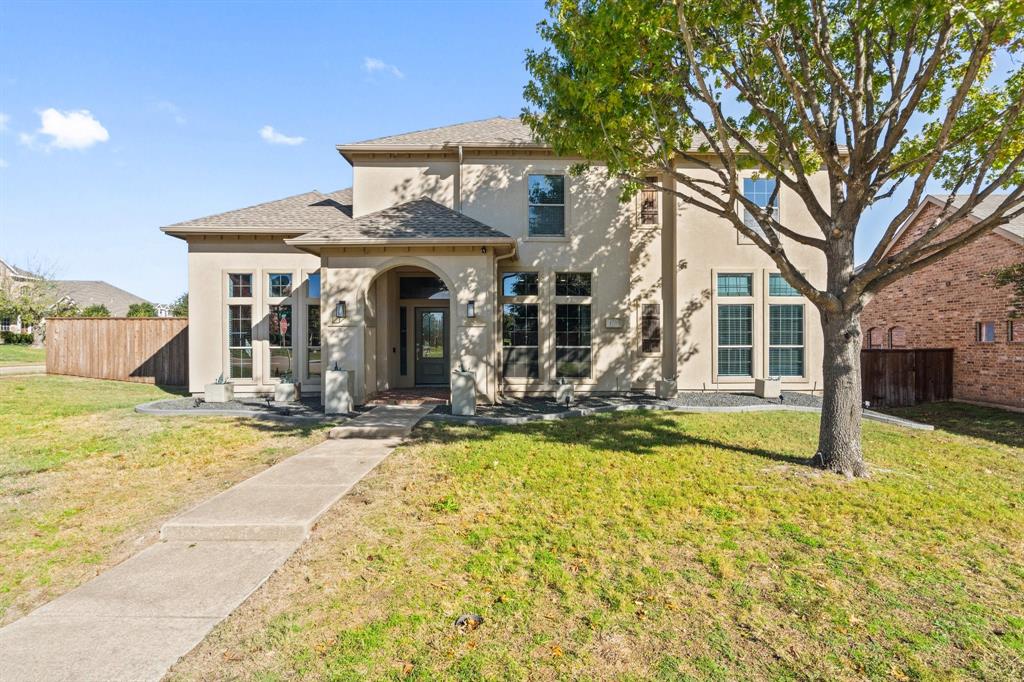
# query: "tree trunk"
839,445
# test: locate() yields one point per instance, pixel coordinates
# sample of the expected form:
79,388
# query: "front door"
431,361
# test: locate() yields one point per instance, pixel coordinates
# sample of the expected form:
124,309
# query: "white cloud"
69,129
373,65
273,137
4,120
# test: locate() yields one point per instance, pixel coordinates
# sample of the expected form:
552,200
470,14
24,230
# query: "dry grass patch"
85,481
651,546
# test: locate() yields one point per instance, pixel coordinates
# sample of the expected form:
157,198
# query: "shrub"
96,310
16,338
141,310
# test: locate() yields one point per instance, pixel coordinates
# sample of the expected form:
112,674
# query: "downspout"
458,181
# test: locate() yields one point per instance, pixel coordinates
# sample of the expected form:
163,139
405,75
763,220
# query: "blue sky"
178,95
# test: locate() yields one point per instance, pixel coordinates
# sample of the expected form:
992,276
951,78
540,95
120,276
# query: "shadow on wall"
168,366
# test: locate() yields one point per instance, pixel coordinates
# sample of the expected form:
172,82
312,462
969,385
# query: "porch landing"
421,395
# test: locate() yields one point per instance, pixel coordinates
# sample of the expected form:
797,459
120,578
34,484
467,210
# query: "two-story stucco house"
472,245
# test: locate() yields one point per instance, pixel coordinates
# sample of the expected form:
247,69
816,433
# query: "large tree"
885,97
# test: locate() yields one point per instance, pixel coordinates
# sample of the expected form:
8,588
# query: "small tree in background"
95,310
145,309
180,306
876,94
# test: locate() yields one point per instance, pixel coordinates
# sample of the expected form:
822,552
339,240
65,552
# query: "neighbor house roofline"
939,202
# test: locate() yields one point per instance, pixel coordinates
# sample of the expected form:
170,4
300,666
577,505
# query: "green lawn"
14,354
85,481
653,546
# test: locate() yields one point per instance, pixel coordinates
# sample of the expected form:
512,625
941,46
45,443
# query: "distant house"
954,303
85,293
12,277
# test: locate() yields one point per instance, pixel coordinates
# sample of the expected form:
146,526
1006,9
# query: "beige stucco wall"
209,262
627,262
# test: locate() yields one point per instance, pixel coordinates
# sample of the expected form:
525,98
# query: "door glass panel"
432,335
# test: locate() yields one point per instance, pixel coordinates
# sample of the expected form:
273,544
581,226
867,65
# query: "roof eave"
347,150
314,246
183,232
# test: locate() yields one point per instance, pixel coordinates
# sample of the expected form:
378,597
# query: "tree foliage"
844,103
145,309
180,306
95,310
787,88
1013,277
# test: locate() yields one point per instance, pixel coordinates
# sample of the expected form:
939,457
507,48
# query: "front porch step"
382,422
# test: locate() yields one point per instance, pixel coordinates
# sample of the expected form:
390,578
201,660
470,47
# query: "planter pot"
768,388
463,393
219,393
338,391
565,394
666,389
286,393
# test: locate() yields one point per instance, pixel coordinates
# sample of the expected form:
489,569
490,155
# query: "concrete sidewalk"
137,619
17,370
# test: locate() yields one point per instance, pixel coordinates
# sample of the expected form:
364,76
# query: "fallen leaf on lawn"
556,651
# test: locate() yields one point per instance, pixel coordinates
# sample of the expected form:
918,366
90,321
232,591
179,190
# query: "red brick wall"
939,306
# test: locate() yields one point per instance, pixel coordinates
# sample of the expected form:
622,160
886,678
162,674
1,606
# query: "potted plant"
219,391
288,390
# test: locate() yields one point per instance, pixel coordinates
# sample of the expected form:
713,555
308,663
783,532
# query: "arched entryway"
410,329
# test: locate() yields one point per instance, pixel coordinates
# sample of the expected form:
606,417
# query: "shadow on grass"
636,433
986,423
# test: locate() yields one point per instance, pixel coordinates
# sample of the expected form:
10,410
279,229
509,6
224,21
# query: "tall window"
649,203
876,337
520,340
313,288
786,340
778,286
280,285
546,204
735,284
519,284
240,341
650,328
759,192
985,332
572,340
735,340
313,364
280,319
5,324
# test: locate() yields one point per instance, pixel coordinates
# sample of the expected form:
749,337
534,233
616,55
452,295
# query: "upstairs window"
985,332
546,201
759,192
897,337
649,203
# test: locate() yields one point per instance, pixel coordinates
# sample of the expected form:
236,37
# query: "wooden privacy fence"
906,377
148,350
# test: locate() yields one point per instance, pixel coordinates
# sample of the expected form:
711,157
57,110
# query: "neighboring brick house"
954,303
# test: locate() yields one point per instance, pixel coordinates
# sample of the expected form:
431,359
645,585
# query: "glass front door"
431,346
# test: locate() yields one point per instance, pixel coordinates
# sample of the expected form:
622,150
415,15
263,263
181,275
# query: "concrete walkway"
137,619
16,370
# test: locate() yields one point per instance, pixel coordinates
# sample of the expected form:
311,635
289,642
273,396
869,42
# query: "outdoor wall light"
340,311
471,309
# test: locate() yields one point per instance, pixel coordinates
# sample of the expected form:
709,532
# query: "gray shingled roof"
295,214
84,293
420,219
497,132
985,209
